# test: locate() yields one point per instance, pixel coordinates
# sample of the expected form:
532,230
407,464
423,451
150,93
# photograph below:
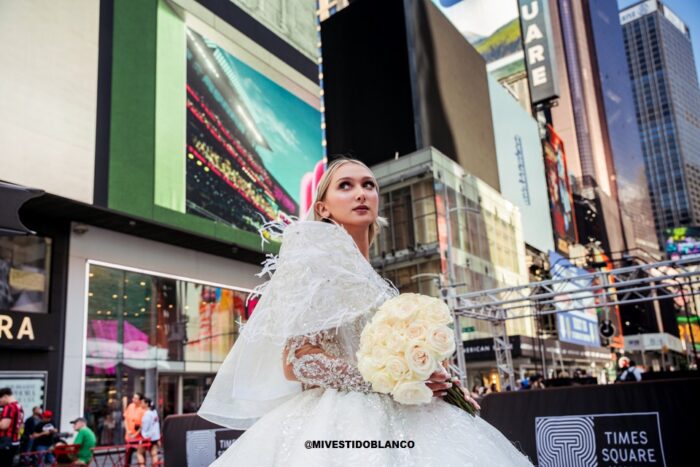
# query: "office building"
667,101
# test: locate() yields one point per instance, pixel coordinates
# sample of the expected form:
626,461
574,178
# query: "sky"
689,12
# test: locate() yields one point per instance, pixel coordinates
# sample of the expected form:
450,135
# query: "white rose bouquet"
404,344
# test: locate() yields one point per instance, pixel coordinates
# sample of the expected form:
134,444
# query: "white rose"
380,353
417,330
397,341
382,382
403,307
380,335
412,393
367,366
441,340
419,360
436,311
396,368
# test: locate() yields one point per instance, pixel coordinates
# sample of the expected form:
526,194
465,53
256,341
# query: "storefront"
549,357
159,324
32,304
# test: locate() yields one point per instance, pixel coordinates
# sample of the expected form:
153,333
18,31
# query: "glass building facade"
423,192
486,247
620,124
667,102
162,337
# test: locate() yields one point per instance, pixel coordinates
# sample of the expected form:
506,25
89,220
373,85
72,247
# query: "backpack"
629,376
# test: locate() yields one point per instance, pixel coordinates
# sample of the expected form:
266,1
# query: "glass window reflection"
162,337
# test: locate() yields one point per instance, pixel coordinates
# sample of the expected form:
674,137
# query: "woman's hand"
467,395
439,382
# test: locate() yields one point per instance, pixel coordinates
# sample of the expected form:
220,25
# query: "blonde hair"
325,182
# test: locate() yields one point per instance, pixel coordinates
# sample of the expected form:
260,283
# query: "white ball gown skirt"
442,435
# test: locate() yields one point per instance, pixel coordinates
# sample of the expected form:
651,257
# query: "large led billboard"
493,28
577,318
215,128
520,165
561,200
249,141
682,241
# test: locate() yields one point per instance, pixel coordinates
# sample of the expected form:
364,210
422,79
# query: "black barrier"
189,440
632,424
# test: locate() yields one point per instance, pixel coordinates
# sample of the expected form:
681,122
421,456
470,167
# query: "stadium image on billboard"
682,241
249,141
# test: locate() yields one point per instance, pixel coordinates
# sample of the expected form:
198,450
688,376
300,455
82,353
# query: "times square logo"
630,439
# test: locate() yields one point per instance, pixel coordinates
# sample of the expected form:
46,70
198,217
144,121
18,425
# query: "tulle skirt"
337,428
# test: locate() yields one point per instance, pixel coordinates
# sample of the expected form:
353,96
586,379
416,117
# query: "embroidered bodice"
336,366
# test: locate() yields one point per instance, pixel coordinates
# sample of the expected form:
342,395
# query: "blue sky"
689,12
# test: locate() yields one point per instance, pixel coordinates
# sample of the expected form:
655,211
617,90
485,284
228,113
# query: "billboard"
520,165
493,28
682,241
561,202
539,50
580,325
250,143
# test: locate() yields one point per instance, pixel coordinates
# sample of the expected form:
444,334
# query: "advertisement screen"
520,165
250,143
561,201
577,320
493,28
682,241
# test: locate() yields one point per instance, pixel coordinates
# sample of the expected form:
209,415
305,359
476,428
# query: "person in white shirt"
150,429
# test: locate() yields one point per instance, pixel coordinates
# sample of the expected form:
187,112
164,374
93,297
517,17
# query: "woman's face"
351,199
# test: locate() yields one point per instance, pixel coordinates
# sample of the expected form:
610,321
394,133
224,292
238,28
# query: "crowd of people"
628,372
37,437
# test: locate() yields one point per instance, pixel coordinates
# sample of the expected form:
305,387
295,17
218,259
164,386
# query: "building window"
162,337
24,273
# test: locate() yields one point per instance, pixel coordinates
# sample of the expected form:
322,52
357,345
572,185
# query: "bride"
291,378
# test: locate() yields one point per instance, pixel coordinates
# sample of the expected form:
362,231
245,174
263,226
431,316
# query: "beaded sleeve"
328,369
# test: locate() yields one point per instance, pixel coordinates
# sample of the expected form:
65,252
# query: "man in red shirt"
11,418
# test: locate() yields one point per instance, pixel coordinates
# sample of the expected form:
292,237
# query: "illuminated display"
249,142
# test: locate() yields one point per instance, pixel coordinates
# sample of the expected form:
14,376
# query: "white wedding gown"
337,404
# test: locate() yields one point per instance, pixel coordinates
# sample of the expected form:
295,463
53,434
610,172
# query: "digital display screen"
561,201
249,141
682,241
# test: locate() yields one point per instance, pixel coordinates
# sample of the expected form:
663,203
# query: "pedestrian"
87,440
133,413
108,427
44,435
11,418
29,426
631,374
150,429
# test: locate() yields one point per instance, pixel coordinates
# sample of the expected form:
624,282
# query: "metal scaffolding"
639,283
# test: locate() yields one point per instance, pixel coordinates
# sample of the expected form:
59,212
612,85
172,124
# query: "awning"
12,197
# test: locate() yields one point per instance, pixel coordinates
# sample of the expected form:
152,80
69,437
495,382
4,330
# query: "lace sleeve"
326,369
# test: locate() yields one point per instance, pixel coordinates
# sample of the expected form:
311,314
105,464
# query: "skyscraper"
667,101
581,121
620,125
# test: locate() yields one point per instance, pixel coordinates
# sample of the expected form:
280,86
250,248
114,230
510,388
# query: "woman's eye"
344,185
369,185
